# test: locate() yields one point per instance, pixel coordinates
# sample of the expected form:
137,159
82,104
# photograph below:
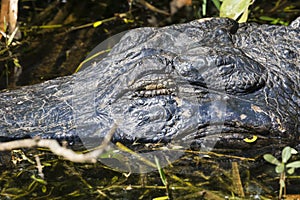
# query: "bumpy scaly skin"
205,81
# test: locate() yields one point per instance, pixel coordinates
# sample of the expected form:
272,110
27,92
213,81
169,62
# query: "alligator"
207,82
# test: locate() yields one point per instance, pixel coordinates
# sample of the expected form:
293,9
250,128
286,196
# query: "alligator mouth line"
247,136
228,131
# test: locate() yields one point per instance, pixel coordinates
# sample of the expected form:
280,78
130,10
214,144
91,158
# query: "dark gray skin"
199,83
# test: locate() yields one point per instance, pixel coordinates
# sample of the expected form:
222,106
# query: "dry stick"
153,8
92,24
13,15
54,146
39,166
4,16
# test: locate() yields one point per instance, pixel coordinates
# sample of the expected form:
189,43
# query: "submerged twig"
236,180
39,166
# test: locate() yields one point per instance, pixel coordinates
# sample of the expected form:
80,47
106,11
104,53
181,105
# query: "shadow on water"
46,53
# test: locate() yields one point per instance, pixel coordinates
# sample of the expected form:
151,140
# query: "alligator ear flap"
296,23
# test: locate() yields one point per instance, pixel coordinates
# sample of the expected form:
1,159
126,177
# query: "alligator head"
203,83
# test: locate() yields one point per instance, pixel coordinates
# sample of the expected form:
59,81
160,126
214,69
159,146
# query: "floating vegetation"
195,175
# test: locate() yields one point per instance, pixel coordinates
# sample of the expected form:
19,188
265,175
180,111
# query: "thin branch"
153,8
39,166
56,148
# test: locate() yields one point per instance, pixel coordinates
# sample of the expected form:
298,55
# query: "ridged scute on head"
296,23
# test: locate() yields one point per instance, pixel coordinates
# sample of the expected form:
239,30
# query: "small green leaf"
244,17
271,159
286,154
11,37
44,189
16,62
217,4
295,164
279,168
294,151
96,24
161,198
291,170
161,171
267,18
39,180
128,20
234,8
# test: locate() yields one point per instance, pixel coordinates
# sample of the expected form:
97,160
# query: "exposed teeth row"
154,92
158,83
155,86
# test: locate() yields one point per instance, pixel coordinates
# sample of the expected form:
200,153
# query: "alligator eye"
238,74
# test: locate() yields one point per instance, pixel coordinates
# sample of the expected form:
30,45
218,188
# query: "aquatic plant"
283,166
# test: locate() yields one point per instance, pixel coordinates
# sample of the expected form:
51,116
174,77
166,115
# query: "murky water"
46,53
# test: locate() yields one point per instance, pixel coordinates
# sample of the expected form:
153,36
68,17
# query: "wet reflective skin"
207,82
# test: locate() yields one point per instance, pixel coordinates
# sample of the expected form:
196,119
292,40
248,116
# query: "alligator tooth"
160,86
243,116
148,93
154,86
